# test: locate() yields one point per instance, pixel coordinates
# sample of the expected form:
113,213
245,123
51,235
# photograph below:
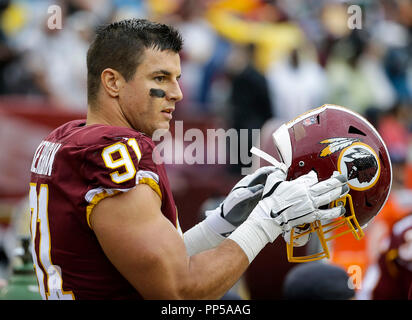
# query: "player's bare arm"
150,253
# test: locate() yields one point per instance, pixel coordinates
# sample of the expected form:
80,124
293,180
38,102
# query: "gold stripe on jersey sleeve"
96,199
152,184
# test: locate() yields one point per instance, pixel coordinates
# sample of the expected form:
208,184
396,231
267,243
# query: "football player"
103,219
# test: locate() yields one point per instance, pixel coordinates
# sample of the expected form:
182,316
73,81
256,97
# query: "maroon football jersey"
391,277
74,168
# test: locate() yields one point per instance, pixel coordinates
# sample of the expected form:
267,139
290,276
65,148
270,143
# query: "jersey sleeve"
116,166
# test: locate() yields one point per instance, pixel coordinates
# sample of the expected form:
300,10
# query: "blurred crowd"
299,54
245,62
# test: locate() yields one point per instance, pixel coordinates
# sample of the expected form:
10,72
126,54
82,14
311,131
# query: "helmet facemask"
327,231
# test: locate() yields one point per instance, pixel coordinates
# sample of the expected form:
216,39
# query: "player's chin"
163,125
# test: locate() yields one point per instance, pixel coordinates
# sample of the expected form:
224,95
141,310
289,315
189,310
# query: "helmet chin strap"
270,159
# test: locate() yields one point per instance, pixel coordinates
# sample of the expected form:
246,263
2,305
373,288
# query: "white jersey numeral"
43,265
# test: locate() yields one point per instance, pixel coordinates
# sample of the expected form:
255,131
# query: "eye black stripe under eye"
159,93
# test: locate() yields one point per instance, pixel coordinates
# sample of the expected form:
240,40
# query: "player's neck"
101,116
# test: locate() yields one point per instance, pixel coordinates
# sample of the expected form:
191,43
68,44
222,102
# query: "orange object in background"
347,251
392,212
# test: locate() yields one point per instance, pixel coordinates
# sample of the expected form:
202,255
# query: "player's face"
143,111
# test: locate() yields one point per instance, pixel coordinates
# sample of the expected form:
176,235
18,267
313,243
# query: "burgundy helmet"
333,138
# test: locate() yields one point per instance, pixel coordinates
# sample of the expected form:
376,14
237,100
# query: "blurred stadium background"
246,64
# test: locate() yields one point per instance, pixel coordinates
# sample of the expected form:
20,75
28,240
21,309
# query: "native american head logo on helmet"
362,165
356,159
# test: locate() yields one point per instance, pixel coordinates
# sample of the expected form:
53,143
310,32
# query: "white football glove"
297,202
321,188
286,204
239,203
235,209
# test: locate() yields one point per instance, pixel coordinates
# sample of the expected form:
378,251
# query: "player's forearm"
201,238
207,275
226,255
213,272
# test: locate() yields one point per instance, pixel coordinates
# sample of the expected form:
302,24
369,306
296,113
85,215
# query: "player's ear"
111,81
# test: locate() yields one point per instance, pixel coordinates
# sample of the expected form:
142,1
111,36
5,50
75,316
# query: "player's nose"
175,93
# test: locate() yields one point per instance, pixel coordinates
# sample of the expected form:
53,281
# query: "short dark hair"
120,45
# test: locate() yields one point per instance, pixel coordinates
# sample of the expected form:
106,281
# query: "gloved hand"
321,188
297,202
300,241
239,203
287,204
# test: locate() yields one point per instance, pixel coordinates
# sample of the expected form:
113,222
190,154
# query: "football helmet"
333,138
